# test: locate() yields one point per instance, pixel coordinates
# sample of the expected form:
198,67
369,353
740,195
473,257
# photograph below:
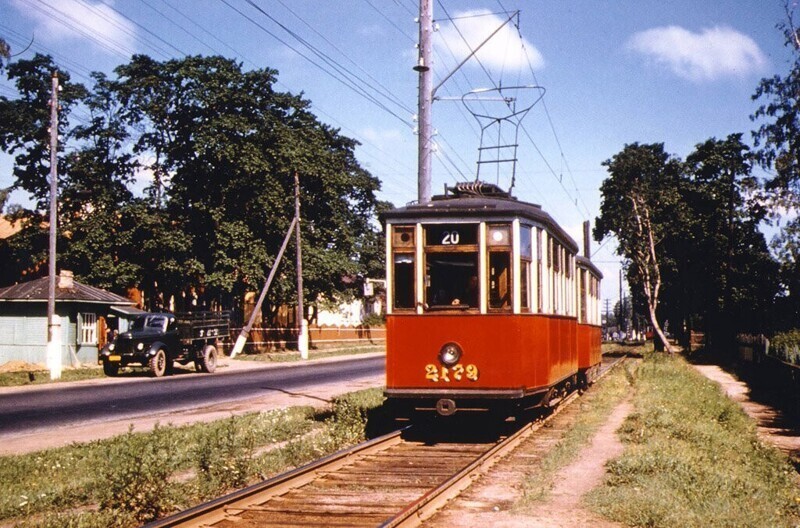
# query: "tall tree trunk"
646,260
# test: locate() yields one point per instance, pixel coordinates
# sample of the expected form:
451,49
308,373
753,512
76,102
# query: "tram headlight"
450,354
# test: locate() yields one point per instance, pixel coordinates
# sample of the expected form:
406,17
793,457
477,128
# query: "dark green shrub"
786,346
135,479
225,457
374,319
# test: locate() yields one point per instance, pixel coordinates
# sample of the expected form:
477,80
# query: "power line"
335,70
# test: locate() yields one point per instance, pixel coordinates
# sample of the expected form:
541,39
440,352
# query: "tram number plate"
437,374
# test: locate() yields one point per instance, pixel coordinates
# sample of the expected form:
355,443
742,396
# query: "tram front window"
452,281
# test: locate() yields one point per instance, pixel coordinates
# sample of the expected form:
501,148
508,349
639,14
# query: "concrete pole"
53,322
425,127
238,347
302,335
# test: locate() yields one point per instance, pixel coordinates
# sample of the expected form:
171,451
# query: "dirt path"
773,427
490,500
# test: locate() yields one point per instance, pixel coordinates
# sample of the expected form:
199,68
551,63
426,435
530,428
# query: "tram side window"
403,261
526,251
583,296
499,280
500,250
539,290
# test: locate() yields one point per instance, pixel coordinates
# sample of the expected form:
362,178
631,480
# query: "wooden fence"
263,340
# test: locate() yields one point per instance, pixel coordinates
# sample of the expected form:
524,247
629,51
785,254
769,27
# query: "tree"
777,140
639,202
25,122
736,272
94,195
5,53
225,147
778,136
24,134
221,147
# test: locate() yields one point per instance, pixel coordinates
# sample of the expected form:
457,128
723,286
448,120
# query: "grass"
692,458
293,355
137,477
40,377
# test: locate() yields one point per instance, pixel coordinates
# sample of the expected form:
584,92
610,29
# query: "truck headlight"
140,346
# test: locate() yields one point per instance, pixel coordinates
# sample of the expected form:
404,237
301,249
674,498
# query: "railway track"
396,480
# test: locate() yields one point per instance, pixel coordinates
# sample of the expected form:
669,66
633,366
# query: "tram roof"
584,262
479,207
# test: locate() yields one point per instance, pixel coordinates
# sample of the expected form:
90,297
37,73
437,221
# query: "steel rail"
218,509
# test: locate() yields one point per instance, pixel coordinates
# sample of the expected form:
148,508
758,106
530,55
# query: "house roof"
37,291
9,228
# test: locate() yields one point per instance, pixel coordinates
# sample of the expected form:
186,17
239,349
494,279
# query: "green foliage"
374,319
786,346
709,262
790,338
347,425
225,457
693,459
641,206
222,147
5,53
136,476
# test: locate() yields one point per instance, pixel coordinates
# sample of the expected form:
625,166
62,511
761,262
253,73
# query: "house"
86,313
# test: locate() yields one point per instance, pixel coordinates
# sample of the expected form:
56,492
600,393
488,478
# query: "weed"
130,479
136,477
224,457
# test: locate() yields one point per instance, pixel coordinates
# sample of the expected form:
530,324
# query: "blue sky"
615,72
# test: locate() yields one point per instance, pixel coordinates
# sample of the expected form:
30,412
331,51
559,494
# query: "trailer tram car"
489,308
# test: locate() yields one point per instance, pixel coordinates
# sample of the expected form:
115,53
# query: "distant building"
87,314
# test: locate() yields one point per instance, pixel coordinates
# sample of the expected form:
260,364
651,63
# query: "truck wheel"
208,361
110,369
158,363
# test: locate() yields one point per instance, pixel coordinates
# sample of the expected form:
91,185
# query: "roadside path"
773,427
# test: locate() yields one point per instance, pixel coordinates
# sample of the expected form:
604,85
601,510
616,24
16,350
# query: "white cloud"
386,137
95,22
507,49
705,56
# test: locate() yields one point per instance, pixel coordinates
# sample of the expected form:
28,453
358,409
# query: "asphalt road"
36,409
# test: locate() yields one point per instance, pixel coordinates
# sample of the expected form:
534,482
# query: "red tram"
489,308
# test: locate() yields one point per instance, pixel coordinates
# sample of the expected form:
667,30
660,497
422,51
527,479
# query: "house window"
88,329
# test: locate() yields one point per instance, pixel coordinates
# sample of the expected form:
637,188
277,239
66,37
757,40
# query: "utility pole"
622,313
238,347
53,324
302,336
425,128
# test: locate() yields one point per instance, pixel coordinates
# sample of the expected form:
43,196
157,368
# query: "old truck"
157,340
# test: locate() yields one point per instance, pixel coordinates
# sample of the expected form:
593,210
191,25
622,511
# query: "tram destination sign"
451,234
